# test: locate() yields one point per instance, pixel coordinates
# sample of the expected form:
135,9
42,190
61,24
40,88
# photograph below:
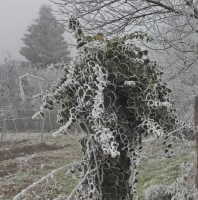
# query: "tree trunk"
196,150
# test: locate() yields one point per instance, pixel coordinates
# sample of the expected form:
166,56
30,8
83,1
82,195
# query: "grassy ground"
23,160
156,169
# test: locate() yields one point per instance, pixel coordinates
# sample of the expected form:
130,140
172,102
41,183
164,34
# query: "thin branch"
44,178
85,176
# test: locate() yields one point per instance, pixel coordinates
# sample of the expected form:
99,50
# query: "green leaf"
116,60
107,101
107,196
112,96
145,52
88,92
124,67
109,45
110,65
80,92
115,44
110,52
123,192
122,160
106,165
146,61
81,44
113,191
113,160
112,178
49,101
86,98
121,77
84,128
89,38
79,31
111,77
120,177
100,57
126,176
130,102
115,169
140,110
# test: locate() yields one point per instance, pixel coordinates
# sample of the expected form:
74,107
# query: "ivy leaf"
113,191
111,87
130,102
145,52
79,32
84,128
116,60
106,165
109,45
86,98
107,196
111,78
100,57
140,110
107,101
89,38
124,67
146,61
115,169
121,77
169,146
49,101
112,178
115,44
110,52
80,92
123,192
110,65
126,175
88,92
81,44
120,177
112,96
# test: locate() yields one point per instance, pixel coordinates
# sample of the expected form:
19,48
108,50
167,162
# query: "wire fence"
16,116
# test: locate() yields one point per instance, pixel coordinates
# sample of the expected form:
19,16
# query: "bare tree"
172,23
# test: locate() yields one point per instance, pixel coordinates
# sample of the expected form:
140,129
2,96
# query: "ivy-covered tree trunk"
114,175
113,89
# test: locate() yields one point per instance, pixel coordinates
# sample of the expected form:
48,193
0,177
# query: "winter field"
24,160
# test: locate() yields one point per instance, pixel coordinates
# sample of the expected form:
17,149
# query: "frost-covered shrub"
115,92
183,188
157,192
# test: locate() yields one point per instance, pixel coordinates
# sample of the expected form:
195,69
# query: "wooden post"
196,136
5,119
42,127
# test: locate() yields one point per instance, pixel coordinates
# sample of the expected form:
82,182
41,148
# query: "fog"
15,16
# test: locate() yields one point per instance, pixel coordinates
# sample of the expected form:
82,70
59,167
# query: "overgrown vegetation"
116,93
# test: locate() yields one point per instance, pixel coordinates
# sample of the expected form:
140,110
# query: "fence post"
43,127
196,136
5,119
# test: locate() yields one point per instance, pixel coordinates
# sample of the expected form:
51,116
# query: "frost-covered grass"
156,169
16,177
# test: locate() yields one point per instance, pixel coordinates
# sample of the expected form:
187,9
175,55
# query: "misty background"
15,17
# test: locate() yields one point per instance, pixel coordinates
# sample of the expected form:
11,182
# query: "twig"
44,178
98,174
74,190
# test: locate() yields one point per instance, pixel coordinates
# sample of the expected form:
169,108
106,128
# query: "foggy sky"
15,16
